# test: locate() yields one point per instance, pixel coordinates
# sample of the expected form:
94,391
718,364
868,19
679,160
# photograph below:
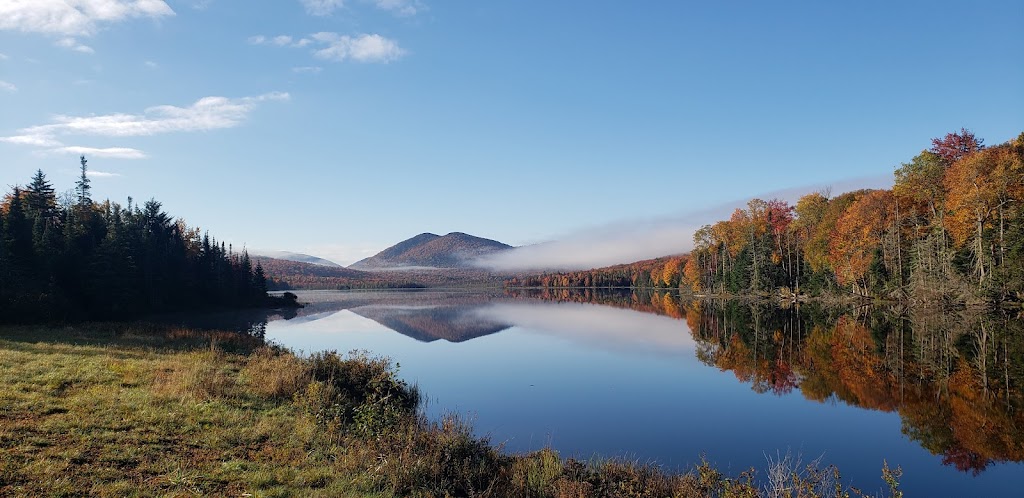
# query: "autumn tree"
810,212
973,196
858,237
955,146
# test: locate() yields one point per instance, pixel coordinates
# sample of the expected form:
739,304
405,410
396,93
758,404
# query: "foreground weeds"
148,411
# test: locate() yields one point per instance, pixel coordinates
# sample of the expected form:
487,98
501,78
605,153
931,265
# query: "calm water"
654,379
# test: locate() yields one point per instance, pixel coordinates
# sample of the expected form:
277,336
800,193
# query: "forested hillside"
951,230
658,272
426,250
75,258
284,274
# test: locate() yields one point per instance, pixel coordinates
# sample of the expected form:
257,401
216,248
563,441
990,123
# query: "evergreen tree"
82,188
40,198
17,236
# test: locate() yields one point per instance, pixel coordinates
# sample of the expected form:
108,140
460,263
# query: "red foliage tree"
955,146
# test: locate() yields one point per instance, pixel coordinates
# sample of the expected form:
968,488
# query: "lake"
653,378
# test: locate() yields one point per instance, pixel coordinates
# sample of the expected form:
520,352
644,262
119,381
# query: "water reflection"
601,327
649,375
954,378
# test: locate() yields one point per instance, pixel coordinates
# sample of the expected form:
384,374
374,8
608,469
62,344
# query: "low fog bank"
611,244
635,240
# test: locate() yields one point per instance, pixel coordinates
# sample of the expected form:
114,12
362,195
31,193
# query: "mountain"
295,256
286,274
427,250
453,323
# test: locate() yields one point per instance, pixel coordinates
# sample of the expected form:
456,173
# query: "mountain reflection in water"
627,373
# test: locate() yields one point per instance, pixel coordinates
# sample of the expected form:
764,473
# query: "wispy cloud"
3,57
336,47
208,113
8,87
33,140
360,48
75,17
110,152
322,7
151,65
307,69
73,44
101,174
399,7
280,41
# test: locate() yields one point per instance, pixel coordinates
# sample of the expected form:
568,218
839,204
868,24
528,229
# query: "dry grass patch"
274,373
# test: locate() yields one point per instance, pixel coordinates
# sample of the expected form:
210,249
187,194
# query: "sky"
608,130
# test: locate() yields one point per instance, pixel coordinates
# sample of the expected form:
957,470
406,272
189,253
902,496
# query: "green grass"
136,410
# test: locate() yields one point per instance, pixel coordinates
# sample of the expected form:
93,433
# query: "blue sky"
338,128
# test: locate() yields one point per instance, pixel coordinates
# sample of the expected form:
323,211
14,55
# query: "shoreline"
221,413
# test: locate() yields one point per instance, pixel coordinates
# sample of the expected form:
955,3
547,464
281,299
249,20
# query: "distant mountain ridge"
428,250
297,257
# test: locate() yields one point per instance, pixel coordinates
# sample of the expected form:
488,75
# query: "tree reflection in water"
955,378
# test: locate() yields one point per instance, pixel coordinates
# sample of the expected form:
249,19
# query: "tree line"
665,272
71,258
950,231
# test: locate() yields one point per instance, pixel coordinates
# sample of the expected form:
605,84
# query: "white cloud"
208,113
400,7
307,69
72,44
280,41
361,48
3,57
322,7
151,64
101,174
34,140
8,87
111,152
75,17
336,47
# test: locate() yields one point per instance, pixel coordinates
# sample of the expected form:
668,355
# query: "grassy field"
139,410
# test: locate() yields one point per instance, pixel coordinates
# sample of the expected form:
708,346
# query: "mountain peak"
454,250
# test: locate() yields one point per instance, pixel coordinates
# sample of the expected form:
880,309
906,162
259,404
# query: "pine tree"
40,198
82,188
17,239
259,281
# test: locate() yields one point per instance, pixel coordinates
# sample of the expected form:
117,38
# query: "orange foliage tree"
857,236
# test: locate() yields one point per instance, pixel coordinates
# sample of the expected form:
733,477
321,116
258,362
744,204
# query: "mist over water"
639,239
604,246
